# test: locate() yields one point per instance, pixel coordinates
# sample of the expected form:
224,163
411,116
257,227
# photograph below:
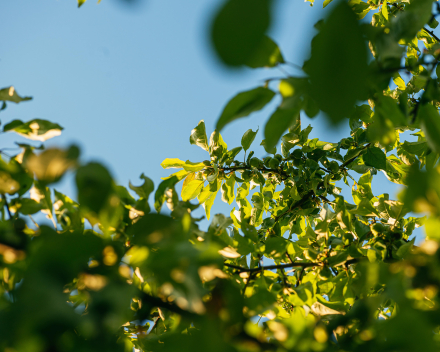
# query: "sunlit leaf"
37,129
198,136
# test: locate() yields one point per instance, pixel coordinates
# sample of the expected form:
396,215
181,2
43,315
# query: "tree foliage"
295,266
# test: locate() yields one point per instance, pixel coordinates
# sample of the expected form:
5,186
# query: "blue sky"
128,83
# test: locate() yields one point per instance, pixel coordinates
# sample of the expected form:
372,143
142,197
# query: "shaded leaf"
243,104
248,138
278,123
430,123
338,68
145,189
376,158
94,185
238,30
9,94
267,54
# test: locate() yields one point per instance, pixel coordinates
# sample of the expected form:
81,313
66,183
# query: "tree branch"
157,302
345,163
285,266
432,34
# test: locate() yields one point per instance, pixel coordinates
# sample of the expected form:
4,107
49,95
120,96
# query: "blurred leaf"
25,206
430,123
50,165
37,129
239,28
267,54
146,188
338,68
9,94
94,185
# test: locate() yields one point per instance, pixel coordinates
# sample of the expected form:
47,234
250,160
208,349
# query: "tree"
295,266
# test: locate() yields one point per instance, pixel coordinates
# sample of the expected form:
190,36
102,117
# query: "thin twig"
432,33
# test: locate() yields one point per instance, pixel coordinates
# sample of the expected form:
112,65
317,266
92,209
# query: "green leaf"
228,190
376,158
326,2
50,165
248,138
230,155
272,150
159,196
169,163
278,123
385,9
405,248
94,185
81,2
9,94
407,23
198,136
37,129
359,7
239,28
338,68
209,202
372,255
430,123
243,104
25,206
145,189
192,190
267,54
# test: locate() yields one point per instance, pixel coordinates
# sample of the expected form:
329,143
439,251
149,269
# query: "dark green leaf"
278,123
248,138
238,29
376,158
146,188
430,123
9,94
94,185
243,104
338,68
266,55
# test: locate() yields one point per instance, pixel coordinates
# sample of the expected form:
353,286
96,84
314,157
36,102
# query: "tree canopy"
295,266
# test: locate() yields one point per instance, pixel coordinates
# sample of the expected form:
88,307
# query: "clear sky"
128,83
